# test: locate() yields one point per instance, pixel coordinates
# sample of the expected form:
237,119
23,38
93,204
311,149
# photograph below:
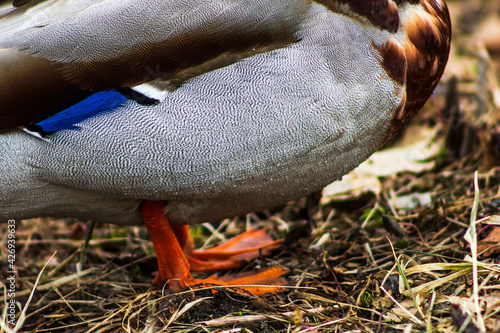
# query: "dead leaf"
490,244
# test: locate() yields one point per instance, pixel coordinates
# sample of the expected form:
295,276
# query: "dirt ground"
386,252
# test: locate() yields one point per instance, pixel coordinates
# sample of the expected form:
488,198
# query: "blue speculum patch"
103,101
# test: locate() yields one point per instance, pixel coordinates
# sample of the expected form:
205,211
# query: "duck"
173,113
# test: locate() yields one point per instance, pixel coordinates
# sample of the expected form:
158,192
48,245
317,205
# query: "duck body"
247,136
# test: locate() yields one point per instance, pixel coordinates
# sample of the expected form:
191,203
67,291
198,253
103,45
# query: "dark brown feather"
32,89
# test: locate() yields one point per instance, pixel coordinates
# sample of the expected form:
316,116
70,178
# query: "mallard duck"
170,113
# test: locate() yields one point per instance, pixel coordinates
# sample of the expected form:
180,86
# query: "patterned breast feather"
232,53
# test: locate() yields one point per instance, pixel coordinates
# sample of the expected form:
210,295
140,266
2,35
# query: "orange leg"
173,266
171,245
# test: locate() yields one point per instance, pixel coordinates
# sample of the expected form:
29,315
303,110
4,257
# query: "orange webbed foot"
234,253
176,257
